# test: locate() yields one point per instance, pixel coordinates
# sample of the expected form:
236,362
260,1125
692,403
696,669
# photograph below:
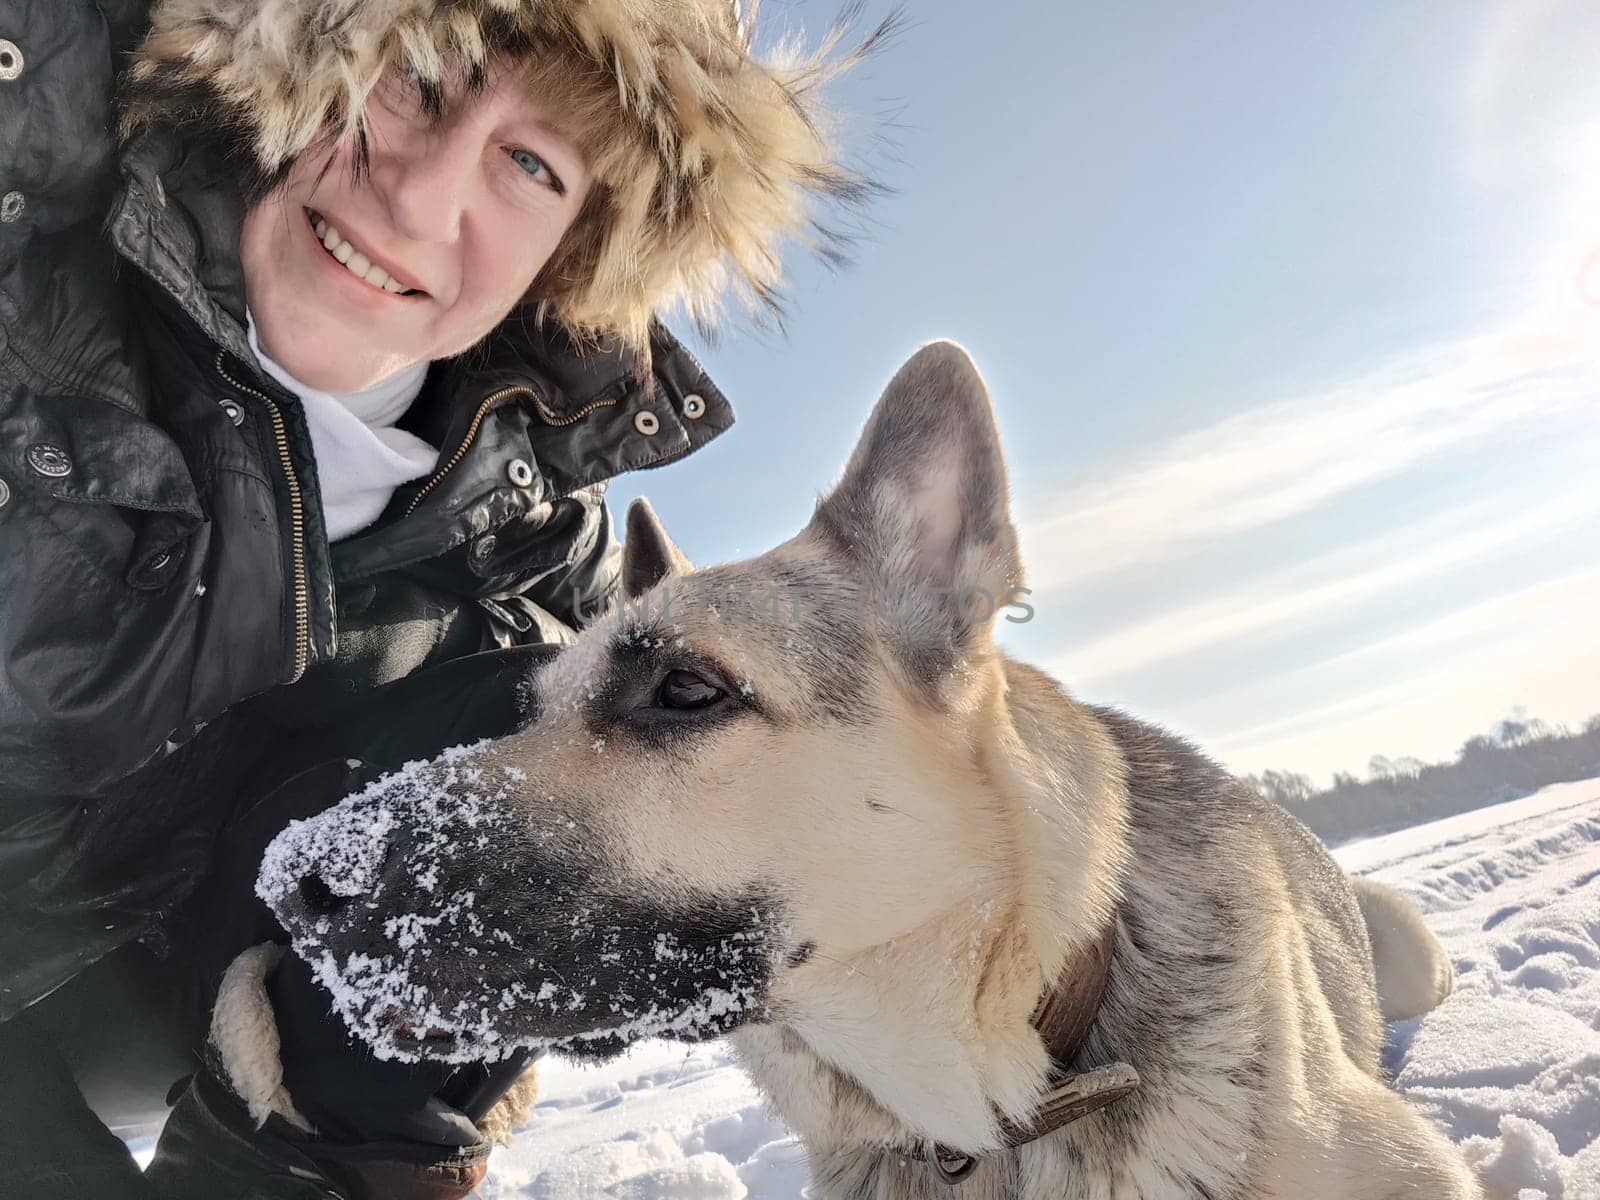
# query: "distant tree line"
1520,755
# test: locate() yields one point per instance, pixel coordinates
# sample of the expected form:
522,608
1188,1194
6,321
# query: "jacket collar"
177,218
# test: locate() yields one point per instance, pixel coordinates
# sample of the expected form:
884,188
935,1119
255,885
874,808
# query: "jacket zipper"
297,540
489,402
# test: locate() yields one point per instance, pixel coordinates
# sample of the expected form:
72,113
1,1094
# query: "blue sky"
1291,314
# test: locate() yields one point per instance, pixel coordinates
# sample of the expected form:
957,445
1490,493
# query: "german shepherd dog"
970,937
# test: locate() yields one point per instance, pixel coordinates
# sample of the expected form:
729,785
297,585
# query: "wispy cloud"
1284,459
1532,123
1327,586
1456,673
1196,501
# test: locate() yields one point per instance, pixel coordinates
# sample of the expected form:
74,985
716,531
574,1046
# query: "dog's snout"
318,897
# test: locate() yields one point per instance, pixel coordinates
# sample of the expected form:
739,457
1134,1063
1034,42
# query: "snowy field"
1510,1063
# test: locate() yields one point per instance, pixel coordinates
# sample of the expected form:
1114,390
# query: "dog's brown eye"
685,689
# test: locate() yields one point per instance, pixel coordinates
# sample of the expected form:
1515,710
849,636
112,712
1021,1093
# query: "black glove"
336,1122
348,1095
211,1147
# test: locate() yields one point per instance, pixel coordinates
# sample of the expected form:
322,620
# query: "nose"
426,183
314,870
318,898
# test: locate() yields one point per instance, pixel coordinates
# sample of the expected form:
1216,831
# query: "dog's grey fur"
930,831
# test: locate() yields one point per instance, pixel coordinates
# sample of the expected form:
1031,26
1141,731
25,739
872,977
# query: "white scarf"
361,457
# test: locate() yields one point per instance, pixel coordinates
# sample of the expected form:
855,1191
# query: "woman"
310,386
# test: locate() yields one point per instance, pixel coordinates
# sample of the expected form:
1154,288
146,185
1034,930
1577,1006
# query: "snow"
1510,1063
663,1121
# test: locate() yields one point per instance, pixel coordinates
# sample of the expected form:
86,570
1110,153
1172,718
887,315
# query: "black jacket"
162,555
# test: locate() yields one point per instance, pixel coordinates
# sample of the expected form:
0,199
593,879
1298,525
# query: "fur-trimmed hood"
728,153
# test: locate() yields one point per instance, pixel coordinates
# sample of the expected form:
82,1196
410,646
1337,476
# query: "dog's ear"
649,554
922,509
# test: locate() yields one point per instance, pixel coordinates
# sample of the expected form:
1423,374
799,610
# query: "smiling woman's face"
350,282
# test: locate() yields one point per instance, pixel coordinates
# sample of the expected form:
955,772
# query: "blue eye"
536,168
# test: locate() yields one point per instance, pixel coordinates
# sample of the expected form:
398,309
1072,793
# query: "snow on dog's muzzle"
451,916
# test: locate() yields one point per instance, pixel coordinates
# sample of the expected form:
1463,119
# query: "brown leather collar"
1064,1017
1066,1014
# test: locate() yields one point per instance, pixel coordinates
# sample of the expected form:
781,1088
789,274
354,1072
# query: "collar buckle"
1064,1018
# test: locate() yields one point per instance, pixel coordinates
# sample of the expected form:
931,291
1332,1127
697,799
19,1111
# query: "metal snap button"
5,493
694,407
11,205
646,422
519,472
10,60
483,547
233,408
152,572
48,460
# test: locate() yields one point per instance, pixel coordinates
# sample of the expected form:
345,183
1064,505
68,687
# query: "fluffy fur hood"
721,157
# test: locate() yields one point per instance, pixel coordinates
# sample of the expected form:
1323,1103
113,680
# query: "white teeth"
355,262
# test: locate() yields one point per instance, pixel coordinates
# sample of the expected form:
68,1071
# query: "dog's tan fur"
962,899
897,1036
1419,974
1015,839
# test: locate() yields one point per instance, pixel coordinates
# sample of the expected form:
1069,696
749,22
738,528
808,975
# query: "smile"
339,248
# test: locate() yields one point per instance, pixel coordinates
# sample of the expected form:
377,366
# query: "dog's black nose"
318,897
